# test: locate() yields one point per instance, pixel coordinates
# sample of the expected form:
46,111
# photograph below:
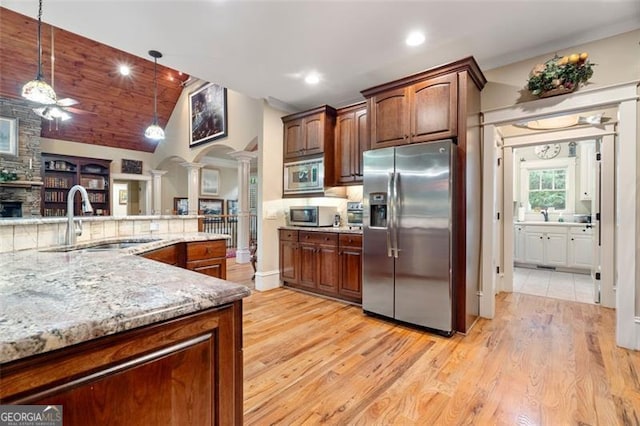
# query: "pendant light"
154,131
38,90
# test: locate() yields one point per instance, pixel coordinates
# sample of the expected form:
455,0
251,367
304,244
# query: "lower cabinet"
185,371
561,246
207,257
327,263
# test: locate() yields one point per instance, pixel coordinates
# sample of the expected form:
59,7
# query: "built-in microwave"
311,215
302,177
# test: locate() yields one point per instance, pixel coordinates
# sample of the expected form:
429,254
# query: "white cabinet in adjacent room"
581,247
518,243
545,245
587,169
555,248
533,246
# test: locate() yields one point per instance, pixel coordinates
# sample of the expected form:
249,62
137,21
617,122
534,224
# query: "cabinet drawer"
165,254
319,238
582,230
206,250
351,240
288,235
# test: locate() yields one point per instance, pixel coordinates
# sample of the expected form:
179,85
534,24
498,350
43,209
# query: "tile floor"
558,285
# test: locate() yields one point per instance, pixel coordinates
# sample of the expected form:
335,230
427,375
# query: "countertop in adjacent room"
340,229
54,299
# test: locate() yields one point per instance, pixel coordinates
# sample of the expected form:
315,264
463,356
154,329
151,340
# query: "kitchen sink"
103,246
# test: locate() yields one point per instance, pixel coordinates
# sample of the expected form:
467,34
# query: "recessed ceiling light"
124,70
414,38
312,78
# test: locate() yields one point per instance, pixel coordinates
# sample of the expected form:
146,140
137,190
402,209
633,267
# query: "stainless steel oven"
354,214
303,177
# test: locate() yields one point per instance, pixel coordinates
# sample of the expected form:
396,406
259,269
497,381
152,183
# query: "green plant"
565,72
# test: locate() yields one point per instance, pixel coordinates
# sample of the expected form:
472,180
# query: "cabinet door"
534,247
389,118
308,265
213,267
328,267
555,249
587,170
519,243
434,108
345,144
581,250
314,134
293,139
362,142
350,283
289,262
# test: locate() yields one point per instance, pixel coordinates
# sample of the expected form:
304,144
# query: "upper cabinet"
422,107
309,133
351,140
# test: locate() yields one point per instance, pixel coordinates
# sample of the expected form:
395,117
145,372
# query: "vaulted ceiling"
112,110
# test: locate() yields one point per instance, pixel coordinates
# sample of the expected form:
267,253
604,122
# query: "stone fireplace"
23,194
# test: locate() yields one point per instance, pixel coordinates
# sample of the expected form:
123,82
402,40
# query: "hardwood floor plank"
314,361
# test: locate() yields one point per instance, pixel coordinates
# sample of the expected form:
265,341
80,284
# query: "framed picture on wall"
180,205
209,182
210,206
9,136
232,210
208,113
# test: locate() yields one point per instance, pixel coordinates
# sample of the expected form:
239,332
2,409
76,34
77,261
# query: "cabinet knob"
540,237
572,239
548,238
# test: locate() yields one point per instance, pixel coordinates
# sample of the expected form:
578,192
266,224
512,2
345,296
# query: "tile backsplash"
24,234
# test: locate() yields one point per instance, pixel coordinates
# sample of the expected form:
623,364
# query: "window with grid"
548,188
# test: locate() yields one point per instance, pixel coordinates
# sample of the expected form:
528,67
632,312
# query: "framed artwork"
210,206
122,196
232,210
132,166
180,205
208,114
209,182
9,136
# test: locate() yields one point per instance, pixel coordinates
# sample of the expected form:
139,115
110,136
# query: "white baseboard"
267,280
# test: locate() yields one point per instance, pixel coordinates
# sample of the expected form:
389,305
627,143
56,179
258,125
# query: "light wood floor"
542,361
240,273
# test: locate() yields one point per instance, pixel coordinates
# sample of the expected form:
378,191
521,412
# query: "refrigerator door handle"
389,216
394,217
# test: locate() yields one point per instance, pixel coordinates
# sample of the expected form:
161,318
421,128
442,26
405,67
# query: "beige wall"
617,59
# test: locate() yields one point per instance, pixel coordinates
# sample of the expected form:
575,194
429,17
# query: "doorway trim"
624,96
146,197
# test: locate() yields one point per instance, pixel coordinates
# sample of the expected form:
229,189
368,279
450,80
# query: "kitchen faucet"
545,213
72,232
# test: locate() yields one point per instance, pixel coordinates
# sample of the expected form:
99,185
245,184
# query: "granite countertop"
541,223
53,299
340,230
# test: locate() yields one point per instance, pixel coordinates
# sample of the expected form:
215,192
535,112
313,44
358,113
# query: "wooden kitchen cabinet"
168,255
424,111
327,263
207,257
350,282
309,133
184,371
351,140
289,257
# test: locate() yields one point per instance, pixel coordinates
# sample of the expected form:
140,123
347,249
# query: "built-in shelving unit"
60,173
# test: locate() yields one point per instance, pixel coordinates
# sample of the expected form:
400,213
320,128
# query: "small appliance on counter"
354,214
311,215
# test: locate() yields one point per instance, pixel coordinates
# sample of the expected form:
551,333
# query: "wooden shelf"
21,184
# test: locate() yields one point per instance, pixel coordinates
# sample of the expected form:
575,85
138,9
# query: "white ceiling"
262,48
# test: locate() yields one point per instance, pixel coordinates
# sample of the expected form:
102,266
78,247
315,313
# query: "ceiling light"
38,90
124,70
312,78
154,131
415,38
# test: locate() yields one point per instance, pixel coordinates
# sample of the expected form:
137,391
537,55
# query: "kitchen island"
117,338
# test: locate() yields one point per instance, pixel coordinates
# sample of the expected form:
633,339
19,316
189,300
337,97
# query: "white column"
244,167
157,190
193,179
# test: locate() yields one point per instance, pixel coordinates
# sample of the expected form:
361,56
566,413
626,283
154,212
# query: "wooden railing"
227,224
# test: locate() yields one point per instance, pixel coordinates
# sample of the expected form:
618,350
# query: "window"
548,184
548,188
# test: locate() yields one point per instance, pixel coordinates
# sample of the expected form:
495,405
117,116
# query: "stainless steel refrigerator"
407,243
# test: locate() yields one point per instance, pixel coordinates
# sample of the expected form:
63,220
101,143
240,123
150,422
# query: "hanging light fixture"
154,131
38,90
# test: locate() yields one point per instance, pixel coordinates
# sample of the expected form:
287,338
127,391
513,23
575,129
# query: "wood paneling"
540,361
117,109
